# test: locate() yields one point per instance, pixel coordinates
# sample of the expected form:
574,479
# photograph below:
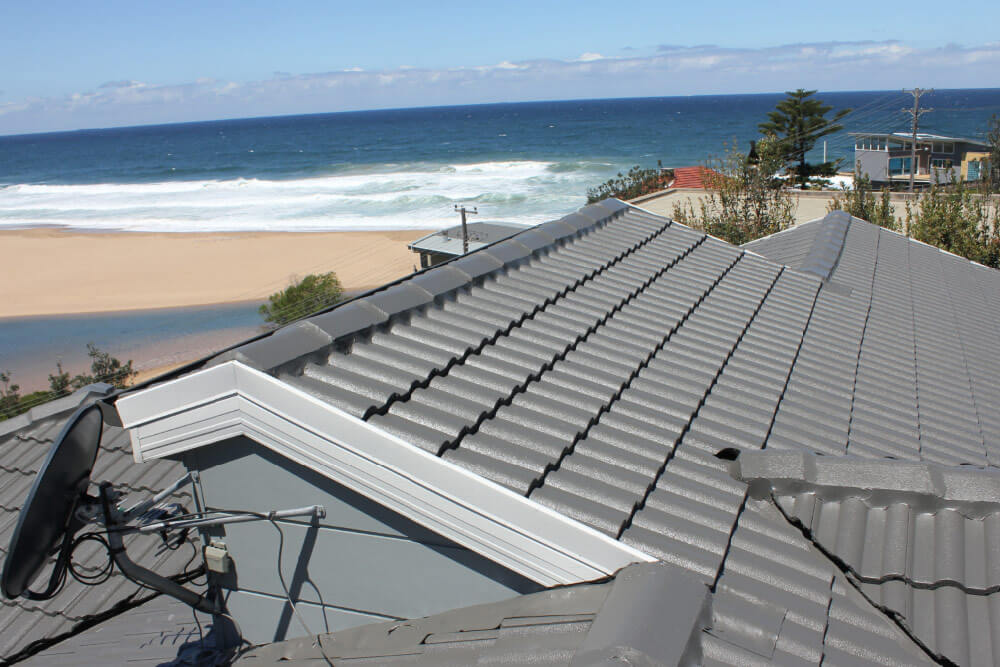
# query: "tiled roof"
585,624
599,363
161,632
921,540
27,625
691,177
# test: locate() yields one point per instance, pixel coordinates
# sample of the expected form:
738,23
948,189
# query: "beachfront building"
448,243
887,158
607,439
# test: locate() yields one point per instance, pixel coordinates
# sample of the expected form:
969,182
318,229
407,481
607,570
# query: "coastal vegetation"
637,182
798,122
958,218
860,201
103,368
303,297
744,198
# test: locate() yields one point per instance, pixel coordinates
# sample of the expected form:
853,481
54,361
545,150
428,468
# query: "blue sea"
389,169
400,169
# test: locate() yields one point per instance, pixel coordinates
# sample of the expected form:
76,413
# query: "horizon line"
445,106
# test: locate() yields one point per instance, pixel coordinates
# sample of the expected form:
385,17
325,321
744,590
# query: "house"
609,438
886,158
448,243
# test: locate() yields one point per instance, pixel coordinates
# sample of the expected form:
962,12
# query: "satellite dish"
48,519
58,506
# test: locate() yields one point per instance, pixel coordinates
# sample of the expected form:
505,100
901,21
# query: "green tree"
302,298
10,397
103,368
637,182
59,383
743,200
862,202
798,122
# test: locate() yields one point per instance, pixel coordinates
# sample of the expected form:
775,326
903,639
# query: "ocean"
404,168
372,170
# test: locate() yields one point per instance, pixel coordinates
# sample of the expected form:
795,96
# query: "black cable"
101,575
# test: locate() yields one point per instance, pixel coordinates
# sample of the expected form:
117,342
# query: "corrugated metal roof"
24,622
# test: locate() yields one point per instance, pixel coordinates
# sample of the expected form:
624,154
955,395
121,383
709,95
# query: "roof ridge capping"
927,487
828,245
289,348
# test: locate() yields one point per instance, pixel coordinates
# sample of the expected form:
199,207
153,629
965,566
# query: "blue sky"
71,64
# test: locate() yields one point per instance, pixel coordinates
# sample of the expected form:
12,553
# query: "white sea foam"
367,198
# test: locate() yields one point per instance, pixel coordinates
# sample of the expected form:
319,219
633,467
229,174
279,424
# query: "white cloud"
669,70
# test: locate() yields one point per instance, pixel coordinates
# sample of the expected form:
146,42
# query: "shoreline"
59,271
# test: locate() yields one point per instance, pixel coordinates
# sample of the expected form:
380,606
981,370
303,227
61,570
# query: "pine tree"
798,122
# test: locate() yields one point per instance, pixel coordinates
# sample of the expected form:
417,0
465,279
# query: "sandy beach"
50,271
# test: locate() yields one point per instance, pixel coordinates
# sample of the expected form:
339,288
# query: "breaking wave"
370,197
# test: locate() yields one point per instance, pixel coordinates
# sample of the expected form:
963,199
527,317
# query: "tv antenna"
465,228
59,506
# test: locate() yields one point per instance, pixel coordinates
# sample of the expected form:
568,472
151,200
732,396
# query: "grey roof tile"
24,621
600,363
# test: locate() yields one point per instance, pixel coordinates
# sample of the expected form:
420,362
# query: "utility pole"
465,228
915,113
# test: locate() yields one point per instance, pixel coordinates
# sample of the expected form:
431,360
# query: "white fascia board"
233,399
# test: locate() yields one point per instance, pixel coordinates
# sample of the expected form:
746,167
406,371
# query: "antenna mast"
915,113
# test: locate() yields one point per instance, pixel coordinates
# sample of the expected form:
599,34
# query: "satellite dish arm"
147,577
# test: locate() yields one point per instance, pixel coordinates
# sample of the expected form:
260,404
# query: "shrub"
860,201
743,199
635,183
959,220
103,368
312,293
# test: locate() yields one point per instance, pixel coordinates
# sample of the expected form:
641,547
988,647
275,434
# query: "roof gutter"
232,399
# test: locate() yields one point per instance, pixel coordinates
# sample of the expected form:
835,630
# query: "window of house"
899,166
975,170
941,163
942,147
870,144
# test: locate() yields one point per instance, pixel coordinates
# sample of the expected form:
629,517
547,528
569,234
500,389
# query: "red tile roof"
691,177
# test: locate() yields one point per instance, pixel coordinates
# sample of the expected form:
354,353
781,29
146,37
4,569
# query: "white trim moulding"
232,399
